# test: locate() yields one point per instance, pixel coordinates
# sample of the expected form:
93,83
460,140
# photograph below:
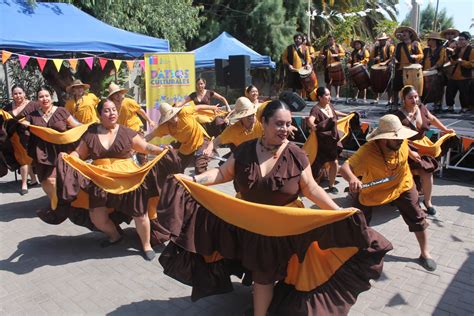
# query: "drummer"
407,52
359,56
434,57
451,44
331,53
381,54
295,57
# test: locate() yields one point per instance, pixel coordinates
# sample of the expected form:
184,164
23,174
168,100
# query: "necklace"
389,171
326,110
273,149
47,116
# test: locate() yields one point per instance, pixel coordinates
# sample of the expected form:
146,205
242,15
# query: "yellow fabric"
457,75
260,109
126,176
331,58
85,109
59,138
443,58
297,62
128,114
384,57
343,125
207,116
285,221
19,151
5,114
188,131
404,58
427,148
368,163
365,60
236,134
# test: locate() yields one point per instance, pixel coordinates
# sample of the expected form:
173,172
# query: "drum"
336,74
413,75
360,76
432,86
447,70
379,78
308,79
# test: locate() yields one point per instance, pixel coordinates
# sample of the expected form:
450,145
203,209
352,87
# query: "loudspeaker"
293,100
222,72
239,66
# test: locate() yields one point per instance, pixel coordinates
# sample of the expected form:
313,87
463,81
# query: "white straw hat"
114,88
167,112
243,107
390,127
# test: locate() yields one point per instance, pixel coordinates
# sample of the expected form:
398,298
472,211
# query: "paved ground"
61,270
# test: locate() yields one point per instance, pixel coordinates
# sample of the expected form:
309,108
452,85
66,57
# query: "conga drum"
360,76
413,75
432,86
308,79
379,78
336,73
448,69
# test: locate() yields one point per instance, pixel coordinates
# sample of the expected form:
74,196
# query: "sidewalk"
61,270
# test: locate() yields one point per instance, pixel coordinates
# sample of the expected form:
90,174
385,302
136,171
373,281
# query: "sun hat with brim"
167,112
444,32
414,36
77,83
435,36
114,88
362,43
243,108
382,37
390,127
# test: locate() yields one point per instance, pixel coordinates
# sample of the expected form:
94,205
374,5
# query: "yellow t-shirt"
128,114
236,134
368,163
188,131
85,109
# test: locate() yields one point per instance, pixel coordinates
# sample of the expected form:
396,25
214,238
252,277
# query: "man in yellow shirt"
295,57
129,114
383,162
81,105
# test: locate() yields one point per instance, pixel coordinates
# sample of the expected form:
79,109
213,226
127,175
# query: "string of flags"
73,62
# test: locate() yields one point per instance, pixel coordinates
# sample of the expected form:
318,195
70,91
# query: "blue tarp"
226,45
52,29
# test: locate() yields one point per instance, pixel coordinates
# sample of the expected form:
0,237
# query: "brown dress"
196,234
329,146
126,205
217,126
44,154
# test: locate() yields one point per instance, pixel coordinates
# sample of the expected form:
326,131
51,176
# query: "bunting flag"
130,64
142,64
117,63
23,60
41,62
467,142
5,56
90,62
58,63
102,62
364,126
73,63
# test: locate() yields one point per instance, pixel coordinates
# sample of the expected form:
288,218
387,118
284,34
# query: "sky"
461,10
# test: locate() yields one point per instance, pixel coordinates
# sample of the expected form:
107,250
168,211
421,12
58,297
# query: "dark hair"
320,91
272,107
298,34
201,79
101,104
466,35
18,86
247,90
44,88
406,90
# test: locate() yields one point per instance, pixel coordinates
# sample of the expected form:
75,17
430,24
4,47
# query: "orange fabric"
207,116
344,126
443,58
236,133
426,147
85,109
260,109
5,114
457,75
367,162
151,207
60,138
364,126
19,151
297,63
404,58
128,114
216,256
286,221
467,142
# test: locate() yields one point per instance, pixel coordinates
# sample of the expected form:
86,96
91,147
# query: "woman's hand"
183,176
449,130
25,123
152,124
415,156
355,185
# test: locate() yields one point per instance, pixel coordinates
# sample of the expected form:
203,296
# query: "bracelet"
194,178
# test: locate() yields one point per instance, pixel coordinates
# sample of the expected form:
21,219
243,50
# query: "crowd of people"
98,167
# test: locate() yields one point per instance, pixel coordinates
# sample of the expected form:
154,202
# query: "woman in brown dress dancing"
43,153
323,121
205,248
416,116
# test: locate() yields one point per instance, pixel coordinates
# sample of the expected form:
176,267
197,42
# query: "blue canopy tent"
226,45
59,29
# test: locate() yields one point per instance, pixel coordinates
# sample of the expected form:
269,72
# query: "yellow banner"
169,77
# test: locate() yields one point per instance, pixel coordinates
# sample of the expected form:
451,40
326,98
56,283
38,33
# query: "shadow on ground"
22,209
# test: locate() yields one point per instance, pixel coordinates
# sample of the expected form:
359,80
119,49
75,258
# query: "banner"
169,77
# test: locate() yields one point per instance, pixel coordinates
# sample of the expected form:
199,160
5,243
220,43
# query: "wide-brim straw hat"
77,83
414,36
382,37
362,43
114,88
435,36
243,108
167,112
444,32
390,127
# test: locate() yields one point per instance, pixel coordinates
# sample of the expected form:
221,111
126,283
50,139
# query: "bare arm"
181,103
81,152
72,122
314,192
436,122
205,107
210,147
354,183
143,114
311,123
224,173
223,100
140,145
338,113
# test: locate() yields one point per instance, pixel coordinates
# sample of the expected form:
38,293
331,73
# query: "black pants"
465,95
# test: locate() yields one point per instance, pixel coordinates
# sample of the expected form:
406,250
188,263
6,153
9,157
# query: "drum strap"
398,52
300,54
433,57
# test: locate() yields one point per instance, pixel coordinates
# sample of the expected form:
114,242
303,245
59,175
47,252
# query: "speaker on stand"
293,100
239,66
222,71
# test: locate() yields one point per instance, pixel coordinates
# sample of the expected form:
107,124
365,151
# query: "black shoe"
23,191
428,264
430,210
149,255
32,184
332,190
107,243
449,110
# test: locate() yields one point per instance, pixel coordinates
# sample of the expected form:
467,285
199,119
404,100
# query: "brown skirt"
204,251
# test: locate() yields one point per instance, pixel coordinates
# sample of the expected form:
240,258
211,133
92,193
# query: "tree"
427,19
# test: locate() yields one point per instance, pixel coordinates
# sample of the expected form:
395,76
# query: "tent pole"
6,79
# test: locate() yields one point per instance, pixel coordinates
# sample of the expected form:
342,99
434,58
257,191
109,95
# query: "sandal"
149,255
427,263
430,210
